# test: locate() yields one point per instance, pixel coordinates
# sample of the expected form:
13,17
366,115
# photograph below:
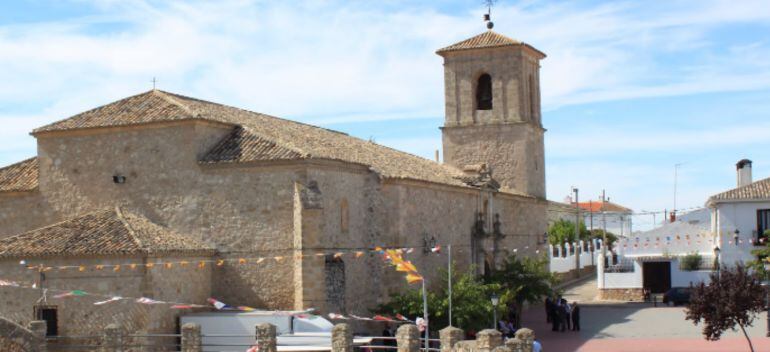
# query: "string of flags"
204,263
212,304
395,258
664,241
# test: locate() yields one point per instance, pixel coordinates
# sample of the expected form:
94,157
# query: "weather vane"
488,15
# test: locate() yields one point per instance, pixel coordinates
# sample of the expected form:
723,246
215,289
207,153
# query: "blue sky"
629,88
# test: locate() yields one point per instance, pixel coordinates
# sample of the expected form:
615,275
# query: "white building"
616,218
740,216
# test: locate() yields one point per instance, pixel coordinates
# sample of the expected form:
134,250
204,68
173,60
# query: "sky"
629,88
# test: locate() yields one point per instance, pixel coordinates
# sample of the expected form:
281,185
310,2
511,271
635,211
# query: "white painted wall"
563,261
624,280
743,217
617,223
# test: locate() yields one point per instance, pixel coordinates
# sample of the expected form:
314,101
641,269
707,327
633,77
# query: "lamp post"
735,236
495,301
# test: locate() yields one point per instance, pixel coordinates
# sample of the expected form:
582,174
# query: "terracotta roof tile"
596,206
19,177
103,232
488,39
262,137
753,191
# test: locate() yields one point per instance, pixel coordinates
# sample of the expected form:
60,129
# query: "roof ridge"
282,143
167,97
128,227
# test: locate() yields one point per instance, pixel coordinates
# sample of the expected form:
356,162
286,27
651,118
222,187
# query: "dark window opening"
335,283
763,224
484,93
532,102
49,314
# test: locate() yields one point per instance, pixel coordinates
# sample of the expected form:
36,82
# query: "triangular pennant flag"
335,316
113,299
145,300
218,305
412,278
71,293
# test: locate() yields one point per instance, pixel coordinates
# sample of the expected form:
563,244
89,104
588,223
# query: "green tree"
691,262
523,280
762,257
518,281
734,298
471,306
599,234
564,231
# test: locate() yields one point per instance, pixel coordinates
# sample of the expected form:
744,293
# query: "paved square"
639,327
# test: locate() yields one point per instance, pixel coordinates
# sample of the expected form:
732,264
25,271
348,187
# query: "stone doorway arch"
16,338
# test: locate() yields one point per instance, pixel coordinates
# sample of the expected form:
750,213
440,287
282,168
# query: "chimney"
743,168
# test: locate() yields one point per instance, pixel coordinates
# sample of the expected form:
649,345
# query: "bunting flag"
145,300
217,304
113,299
8,283
70,294
335,316
436,249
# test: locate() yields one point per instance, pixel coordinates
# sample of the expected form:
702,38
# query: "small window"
484,92
763,222
50,316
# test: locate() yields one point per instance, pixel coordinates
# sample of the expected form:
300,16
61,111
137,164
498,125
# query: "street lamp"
717,262
495,301
735,236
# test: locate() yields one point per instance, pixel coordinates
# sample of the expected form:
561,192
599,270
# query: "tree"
691,262
599,234
523,280
762,257
564,231
471,306
733,298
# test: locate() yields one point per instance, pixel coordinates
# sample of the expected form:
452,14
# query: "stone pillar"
488,339
266,337
191,338
600,271
342,338
449,336
408,338
113,339
40,329
523,341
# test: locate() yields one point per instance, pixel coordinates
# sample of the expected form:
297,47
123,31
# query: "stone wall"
622,294
79,316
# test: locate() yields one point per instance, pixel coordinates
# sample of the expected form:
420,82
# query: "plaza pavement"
635,327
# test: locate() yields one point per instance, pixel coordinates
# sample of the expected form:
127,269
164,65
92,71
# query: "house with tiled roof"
289,212
740,217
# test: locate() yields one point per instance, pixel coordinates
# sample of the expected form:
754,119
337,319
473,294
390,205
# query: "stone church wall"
79,316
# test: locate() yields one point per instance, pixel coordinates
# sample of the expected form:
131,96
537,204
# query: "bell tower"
492,102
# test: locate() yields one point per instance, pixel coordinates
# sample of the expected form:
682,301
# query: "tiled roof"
596,207
260,137
488,39
104,232
753,191
19,177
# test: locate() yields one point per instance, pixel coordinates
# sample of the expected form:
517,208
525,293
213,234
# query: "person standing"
575,317
567,314
555,308
548,309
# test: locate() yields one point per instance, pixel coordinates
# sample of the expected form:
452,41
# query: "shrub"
690,262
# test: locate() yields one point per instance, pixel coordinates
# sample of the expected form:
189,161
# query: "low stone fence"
113,339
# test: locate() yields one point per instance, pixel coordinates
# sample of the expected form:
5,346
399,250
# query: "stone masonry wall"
79,316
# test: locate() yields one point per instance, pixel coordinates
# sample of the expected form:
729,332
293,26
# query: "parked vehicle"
234,331
677,296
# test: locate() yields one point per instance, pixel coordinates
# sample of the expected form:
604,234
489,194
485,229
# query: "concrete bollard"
488,339
342,338
266,340
113,339
40,328
449,336
408,338
191,338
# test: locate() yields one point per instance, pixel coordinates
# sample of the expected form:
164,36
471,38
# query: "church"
169,198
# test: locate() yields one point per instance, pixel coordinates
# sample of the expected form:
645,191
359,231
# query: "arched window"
484,92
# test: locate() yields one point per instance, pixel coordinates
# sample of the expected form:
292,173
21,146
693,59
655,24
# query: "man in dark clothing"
555,316
575,317
548,309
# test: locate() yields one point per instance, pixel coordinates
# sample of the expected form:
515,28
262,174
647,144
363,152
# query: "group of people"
562,315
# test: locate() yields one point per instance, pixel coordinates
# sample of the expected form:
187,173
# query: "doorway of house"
656,276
